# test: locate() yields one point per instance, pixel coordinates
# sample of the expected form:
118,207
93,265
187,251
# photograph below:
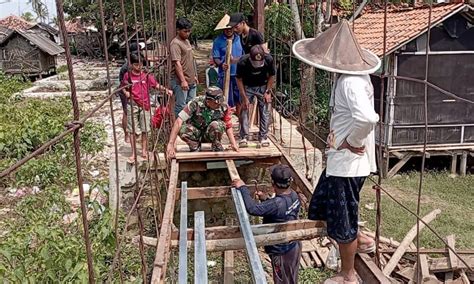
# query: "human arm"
124,82
267,207
180,74
243,96
268,96
362,111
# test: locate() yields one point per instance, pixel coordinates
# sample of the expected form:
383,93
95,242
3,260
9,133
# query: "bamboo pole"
228,57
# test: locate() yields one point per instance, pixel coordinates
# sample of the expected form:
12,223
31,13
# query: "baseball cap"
257,56
214,93
281,175
235,19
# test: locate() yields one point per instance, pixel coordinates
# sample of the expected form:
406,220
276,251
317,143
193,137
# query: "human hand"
245,103
170,151
169,92
237,183
196,79
356,150
267,97
331,140
127,94
184,86
235,147
261,195
225,67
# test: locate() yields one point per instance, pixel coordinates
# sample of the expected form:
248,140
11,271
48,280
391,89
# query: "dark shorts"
286,266
336,201
124,101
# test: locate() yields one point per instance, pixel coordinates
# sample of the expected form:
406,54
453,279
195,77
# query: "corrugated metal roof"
402,26
42,42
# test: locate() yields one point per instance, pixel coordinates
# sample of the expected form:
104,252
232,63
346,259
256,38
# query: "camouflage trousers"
194,136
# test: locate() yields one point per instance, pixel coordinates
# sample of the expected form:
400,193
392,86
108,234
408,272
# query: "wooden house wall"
20,56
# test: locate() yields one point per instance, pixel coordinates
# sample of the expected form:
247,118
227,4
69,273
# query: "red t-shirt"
141,85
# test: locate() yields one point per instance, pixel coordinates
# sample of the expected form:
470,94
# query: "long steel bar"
77,139
252,252
200,259
183,236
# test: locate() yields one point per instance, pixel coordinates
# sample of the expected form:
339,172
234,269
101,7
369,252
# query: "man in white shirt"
351,143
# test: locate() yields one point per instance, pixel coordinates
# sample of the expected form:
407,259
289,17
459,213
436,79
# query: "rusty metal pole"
77,139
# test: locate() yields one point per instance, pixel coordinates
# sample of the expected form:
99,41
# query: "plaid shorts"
336,201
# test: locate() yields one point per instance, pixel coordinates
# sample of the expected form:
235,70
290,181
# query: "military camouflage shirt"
200,115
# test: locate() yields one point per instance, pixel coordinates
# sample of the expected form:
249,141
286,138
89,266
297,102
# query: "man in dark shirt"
283,207
249,36
255,77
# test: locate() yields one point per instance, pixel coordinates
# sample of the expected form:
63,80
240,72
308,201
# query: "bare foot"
131,160
145,155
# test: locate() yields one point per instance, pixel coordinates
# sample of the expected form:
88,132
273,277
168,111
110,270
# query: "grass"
453,196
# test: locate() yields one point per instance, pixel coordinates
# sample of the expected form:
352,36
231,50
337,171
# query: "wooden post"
170,20
258,15
454,160
183,236
200,259
463,165
228,56
229,262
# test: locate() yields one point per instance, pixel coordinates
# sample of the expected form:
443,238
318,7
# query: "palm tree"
40,9
27,16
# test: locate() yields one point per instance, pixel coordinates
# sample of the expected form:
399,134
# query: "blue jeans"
182,97
234,95
255,92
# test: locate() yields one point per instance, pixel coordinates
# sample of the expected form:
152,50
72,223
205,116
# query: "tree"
40,9
28,16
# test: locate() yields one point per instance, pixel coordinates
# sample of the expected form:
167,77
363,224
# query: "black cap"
235,19
281,175
257,56
214,93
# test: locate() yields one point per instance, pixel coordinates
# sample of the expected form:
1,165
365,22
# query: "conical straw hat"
223,23
337,50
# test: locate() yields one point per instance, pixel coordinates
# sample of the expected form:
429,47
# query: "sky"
18,7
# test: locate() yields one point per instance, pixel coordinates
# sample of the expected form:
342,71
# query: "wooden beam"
232,232
399,165
463,164
213,192
259,13
431,251
183,237
164,242
453,260
454,160
368,271
244,153
200,259
229,262
170,21
424,272
260,240
407,241
442,264
303,184
250,245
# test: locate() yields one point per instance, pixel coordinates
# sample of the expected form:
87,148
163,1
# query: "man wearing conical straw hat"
351,143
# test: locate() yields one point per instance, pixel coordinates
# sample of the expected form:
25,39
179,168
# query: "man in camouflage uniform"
204,119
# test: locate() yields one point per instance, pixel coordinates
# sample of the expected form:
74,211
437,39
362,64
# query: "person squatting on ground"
285,206
203,120
138,98
351,143
219,50
255,78
134,49
183,71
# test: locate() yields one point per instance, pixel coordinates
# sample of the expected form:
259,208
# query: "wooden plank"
303,184
250,245
213,192
164,240
306,258
317,262
193,167
463,164
229,263
260,240
424,269
431,251
200,259
230,232
322,252
244,153
454,160
453,260
399,165
233,172
442,264
406,242
183,236
368,271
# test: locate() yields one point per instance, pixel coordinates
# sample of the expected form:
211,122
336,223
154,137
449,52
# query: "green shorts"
141,119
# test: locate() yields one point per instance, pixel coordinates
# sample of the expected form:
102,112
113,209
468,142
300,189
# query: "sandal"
265,142
339,279
243,143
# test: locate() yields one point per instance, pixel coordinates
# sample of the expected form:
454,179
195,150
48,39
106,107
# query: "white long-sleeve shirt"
353,119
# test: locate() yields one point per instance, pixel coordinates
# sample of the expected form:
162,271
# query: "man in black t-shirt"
284,207
255,77
248,36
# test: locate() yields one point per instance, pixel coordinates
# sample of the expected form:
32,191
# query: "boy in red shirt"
139,100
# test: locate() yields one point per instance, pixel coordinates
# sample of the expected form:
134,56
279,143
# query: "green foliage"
312,275
27,16
278,21
41,249
61,69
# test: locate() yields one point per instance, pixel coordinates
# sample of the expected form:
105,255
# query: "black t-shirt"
255,77
253,38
